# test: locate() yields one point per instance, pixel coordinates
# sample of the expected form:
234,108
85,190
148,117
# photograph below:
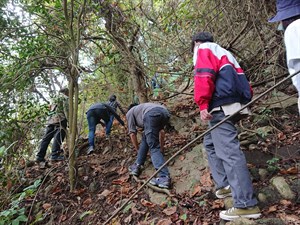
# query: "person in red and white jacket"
221,89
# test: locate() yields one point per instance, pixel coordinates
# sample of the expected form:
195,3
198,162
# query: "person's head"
64,91
112,98
201,37
131,106
287,12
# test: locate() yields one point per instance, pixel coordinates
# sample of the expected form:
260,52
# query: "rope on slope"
193,141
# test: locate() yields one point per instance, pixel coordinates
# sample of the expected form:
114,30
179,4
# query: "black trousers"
56,131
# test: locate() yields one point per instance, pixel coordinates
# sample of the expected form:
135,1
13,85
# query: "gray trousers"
227,162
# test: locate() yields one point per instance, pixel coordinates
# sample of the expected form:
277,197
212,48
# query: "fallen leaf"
181,157
122,180
125,190
289,218
291,170
272,208
62,218
217,204
134,210
60,177
197,189
128,219
285,202
123,170
205,179
56,190
175,217
164,222
281,136
46,206
195,127
79,191
87,202
163,205
147,203
105,193
169,211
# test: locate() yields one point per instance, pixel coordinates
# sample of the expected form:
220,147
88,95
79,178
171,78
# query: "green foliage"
2,151
86,213
127,208
263,132
265,113
273,164
184,217
16,215
13,216
202,203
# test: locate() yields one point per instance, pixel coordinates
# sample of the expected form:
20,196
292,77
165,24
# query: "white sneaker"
90,150
224,192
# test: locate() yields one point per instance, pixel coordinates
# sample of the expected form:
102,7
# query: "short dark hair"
112,98
132,105
203,36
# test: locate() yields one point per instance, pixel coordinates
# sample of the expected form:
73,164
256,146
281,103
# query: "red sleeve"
206,69
251,89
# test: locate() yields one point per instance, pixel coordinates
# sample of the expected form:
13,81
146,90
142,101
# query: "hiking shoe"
135,169
234,213
90,150
162,182
224,192
57,158
39,160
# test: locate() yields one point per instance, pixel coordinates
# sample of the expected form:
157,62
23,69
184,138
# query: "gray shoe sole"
160,185
250,216
90,152
224,195
133,173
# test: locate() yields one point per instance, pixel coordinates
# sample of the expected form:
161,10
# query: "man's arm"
111,110
205,75
134,141
121,109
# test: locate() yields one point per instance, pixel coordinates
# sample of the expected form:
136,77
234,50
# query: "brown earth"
103,183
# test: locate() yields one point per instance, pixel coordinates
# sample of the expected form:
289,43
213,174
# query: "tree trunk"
114,21
74,32
139,84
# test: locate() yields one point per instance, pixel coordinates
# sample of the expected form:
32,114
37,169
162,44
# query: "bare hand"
205,116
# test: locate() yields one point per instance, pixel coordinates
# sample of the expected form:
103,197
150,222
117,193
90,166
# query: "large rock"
185,173
241,221
282,187
280,100
187,168
268,195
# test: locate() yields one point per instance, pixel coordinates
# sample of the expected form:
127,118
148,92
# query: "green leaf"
86,214
183,217
35,185
5,213
2,151
15,222
21,218
126,209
